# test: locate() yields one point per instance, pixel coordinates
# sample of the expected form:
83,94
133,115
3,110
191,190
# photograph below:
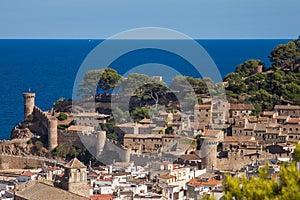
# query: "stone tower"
75,178
209,152
52,133
28,103
259,69
101,139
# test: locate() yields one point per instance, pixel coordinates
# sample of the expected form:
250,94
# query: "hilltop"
265,87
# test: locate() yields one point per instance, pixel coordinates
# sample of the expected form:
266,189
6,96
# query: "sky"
100,19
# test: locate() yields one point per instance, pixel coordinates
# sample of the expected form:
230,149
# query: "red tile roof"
241,107
286,107
28,173
195,182
293,121
102,197
166,176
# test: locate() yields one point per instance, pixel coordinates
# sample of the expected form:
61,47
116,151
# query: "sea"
49,67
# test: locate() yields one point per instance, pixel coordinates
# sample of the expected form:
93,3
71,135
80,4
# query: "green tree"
248,67
89,82
207,197
144,87
285,55
133,84
121,116
155,91
108,81
62,116
265,187
139,113
198,85
296,153
235,83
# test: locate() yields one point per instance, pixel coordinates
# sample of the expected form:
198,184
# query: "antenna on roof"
28,89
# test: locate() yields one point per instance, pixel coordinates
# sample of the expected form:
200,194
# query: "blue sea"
49,68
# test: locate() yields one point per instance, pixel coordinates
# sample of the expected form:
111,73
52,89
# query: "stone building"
139,143
288,110
90,119
37,190
74,179
240,110
73,185
202,113
133,128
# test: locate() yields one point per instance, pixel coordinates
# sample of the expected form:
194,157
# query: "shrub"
63,126
62,116
39,145
29,118
29,141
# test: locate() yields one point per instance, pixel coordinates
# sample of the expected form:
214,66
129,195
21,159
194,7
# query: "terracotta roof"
252,119
147,136
51,168
130,124
268,113
29,173
102,197
293,121
74,164
281,117
142,136
241,107
286,107
263,119
211,132
158,128
121,174
145,121
198,183
190,157
203,106
80,128
238,138
166,176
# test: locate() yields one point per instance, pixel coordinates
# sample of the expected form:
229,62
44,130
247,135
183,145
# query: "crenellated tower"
28,103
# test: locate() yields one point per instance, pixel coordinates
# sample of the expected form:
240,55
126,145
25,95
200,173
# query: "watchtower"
209,152
52,133
28,103
75,178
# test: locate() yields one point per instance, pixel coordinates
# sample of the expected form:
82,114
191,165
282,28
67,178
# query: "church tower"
75,178
28,103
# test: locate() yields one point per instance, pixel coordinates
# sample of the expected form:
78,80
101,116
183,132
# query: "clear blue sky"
103,18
